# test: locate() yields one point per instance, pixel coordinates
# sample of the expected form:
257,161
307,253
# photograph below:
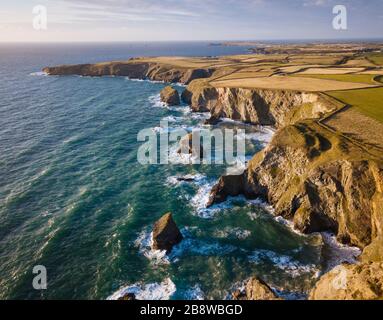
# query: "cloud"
316,3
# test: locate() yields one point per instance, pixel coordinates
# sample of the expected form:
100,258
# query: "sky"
175,20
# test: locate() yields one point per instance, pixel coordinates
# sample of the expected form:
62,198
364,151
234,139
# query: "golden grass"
364,129
289,83
316,59
355,78
331,70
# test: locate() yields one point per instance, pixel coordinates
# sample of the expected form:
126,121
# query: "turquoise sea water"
74,198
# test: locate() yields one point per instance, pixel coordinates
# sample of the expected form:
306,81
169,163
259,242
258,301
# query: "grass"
288,83
355,78
367,101
376,58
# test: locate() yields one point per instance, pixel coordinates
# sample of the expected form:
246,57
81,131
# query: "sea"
75,200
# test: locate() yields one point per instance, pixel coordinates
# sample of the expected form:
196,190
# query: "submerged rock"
186,147
166,234
213,120
170,96
256,289
187,178
128,296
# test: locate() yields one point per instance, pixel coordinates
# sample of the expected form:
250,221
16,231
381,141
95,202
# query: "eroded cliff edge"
267,107
322,182
317,178
134,69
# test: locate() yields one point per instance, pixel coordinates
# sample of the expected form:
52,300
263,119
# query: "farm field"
369,101
355,78
290,83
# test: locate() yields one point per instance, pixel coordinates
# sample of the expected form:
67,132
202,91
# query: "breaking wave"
151,291
284,263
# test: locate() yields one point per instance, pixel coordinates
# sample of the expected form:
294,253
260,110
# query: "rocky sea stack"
166,234
170,96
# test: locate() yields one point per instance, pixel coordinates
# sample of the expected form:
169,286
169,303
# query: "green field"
376,58
357,78
367,101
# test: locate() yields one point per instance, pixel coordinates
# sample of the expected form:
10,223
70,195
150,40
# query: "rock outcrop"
256,106
188,148
322,182
317,179
128,297
255,289
134,69
166,234
170,96
351,282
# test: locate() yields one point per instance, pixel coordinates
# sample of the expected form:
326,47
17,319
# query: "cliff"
322,182
256,106
319,180
313,176
134,69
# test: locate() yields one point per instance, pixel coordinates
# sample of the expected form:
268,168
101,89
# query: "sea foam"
151,291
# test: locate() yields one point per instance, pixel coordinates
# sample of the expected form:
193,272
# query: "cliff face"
317,179
133,69
322,182
255,106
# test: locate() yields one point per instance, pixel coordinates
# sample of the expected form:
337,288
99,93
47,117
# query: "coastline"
209,95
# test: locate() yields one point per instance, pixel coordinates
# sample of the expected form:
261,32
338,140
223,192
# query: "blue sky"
148,20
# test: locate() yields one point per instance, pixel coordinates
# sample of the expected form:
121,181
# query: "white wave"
284,263
200,200
183,109
188,245
144,243
181,158
194,294
339,253
173,119
236,233
39,73
155,100
144,80
263,135
152,291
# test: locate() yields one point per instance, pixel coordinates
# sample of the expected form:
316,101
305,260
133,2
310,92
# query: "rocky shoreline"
315,177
